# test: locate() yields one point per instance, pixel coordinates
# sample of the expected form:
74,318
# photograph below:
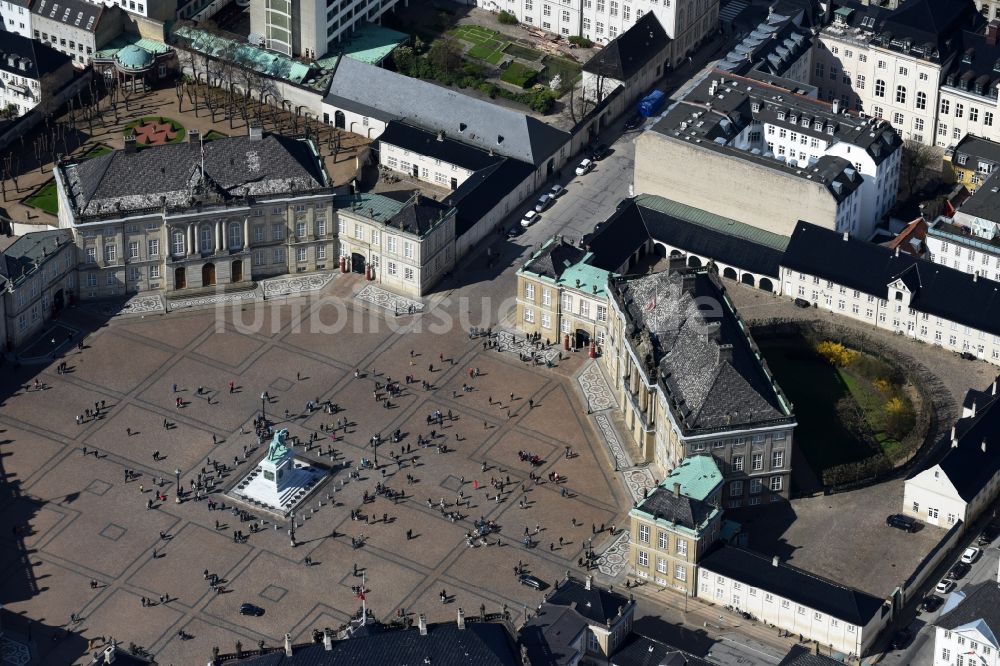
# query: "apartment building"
972,160
686,22
310,28
691,381
893,290
37,279
969,240
32,74
788,598
404,245
76,27
965,633
675,524
781,45
192,215
16,17
967,479
805,158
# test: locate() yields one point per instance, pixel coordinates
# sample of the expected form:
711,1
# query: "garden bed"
45,198
155,131
519,75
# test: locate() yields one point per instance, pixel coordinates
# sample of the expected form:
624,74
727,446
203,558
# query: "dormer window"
793,118
818,126
805,122
781,115
755,107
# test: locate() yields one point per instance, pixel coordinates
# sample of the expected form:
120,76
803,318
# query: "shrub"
899,417
836,354
856,471
506,18
519,75
882,385
582,42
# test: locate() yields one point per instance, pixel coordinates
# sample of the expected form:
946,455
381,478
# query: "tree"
919,164
445,55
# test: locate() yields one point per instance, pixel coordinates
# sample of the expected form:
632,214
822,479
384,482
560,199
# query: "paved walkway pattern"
293,284
388,300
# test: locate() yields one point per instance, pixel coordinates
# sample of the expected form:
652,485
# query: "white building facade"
16,17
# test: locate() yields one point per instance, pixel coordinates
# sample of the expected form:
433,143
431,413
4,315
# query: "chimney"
109,654
440,135
194,137
774,561
835,107
461,618
954,440
897,250
994,387
983,445
687,282
327,640
725,353
422,624
130,143
992,32
677,490
256,133
288,645
973,408
847,235
975,276
587,584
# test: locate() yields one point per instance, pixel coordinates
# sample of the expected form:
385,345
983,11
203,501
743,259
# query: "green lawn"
98,150
519,75
45,198
215,134
567,70
814,387
487,53
487,45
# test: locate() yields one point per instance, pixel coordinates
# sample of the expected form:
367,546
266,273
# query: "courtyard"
78,520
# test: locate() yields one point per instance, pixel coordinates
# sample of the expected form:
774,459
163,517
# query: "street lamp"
263,400
177,480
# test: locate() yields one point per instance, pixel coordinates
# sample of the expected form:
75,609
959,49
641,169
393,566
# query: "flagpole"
364,604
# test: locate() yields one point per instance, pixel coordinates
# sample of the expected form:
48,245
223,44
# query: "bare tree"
919,165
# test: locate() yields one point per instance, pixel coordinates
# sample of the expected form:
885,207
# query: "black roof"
419,215
549,635
680,509
981,602
486,188
643,651
985,201
31,249
629,52
800,655
479,644
929,21
968,466
596,604
799,586
938,290
26,57
76,13
444,148
979,148
554,258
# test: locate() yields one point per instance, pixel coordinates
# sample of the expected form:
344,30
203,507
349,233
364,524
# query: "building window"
777,459
300,254
756,486
945,107
682,547
133,250
300,230
921,100
900,94
529,315
153,248
529,291
680,572
546,296
959,110
860,81
661,539
738,463
546,321
643,533
775,484
642,558
879,88
758,462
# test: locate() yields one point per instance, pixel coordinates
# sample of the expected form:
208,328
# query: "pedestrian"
512,397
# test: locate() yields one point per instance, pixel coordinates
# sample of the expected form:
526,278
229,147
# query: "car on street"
557,191
931,603
968,356
901,639
801,303
250,609
532,581
945,586
584,167
634,122
529,219
543,202
901,522
599,152
958,570
971,554
991,532
515,231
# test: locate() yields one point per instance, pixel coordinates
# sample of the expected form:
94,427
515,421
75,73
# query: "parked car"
584,167
532,581
931,603
634,122
801,303
971,554
543,202
599,152
901,522
529,219
557,191
991,532
901,639
945,586
515,231
250,609
968,356
958,570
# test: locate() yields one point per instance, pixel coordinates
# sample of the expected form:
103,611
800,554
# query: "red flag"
652,304
949,208
361,593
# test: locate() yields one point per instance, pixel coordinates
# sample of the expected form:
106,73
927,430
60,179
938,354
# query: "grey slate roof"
629,52
800,655
598,605
968,466
21,256
549,635
76,13
387,95
445,148
479,644
484,189
857,264
554,258
705,361
685,511
798,586
985,202
32,59
644,651
234,167
982,602
419,215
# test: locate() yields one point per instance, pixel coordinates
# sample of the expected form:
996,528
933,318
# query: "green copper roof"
589,277
698,476
134,57
713,221
372,206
